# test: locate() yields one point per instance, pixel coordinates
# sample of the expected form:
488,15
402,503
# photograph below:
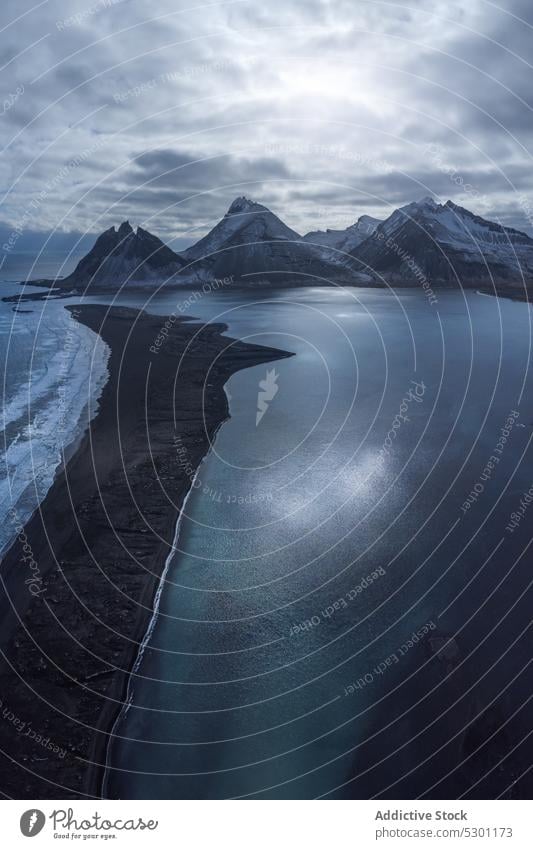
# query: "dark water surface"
313,516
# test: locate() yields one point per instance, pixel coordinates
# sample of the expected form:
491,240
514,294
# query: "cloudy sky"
163,112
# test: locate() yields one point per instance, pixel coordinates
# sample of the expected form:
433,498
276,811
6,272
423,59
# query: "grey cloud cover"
322,108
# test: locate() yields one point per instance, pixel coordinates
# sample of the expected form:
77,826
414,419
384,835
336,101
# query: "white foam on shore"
48,404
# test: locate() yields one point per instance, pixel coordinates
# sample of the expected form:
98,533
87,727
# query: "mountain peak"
243,204
456,208
125,229
444,244
366,224
428,201
121,255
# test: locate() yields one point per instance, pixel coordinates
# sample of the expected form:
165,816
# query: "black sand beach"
78,584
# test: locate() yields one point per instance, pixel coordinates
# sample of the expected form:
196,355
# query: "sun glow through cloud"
247,87
336,85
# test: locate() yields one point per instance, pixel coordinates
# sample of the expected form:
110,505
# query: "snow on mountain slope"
124,255
448,244
423,243
251,242
245,221
344,240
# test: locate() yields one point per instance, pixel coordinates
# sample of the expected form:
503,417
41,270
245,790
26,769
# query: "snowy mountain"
446,244
252,242
245,221
344,240
123,255
422,243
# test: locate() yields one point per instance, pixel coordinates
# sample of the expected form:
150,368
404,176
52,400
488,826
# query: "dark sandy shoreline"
97,547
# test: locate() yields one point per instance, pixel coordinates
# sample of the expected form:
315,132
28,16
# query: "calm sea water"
326,550
26,266
373,510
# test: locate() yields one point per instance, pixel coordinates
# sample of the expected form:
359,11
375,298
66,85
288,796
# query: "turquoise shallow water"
316,542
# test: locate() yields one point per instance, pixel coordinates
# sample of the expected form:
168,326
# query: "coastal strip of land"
77,586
